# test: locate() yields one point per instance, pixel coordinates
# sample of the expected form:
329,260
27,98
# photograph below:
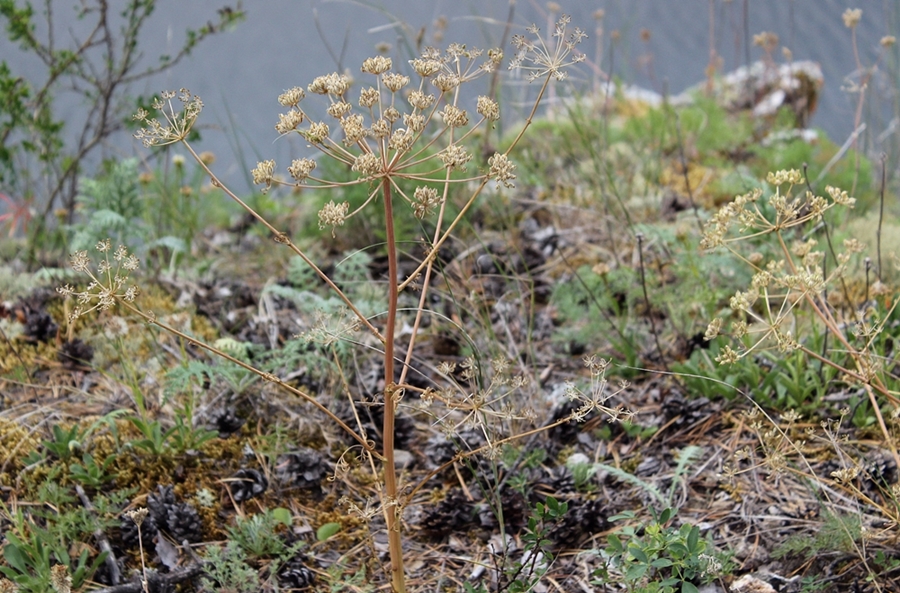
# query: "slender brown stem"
390,504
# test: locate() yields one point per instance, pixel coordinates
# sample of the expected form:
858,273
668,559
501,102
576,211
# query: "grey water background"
285,43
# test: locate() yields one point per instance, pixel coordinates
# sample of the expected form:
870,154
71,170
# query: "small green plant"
684,460
93,474
65,441
258,535
35,157
111,206
32,551
838,532
226,571
155,437
523,575
657,557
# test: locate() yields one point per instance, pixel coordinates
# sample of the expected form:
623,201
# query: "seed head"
138,515
367,164
333,215
401,140
368,97
426,67
391,114
713,329
289,121
394,82
548,59
339,109
376,65
840,196
446,82
263,173
488,108
426,199
380,129
291,97
420,100
60,579
301,168
177,124
354,131
727,356
455,157
415,123
317,133
502,169
852,17
454,117
330,84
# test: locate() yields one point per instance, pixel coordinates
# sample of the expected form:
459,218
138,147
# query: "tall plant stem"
390,504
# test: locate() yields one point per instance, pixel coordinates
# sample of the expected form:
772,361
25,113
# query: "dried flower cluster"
534,56
106,284
599,394
178,122
390,129
765,311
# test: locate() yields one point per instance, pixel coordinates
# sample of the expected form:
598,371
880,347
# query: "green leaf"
693,539
688,588
622,516
638,553
15,557
283,516
666,515
661,563
327,530
615,543
636,572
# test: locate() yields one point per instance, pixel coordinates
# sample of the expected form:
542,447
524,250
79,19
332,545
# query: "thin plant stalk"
391,391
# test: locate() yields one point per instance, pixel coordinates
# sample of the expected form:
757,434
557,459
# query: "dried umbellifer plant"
411,129
794,281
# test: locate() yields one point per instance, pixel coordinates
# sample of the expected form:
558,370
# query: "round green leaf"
327,530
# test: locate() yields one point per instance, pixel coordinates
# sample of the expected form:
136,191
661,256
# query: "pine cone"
305,468
440,449
185,523
159,503
39,326
372,418
685,411
75,353
247,484
515,512
451,515
880,472
584,518
557,482
128,532
296,575
226,422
